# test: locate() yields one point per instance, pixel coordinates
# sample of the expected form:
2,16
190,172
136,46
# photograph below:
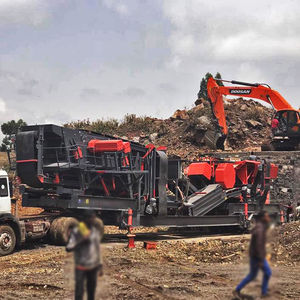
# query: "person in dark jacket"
84,241
289,211
257,253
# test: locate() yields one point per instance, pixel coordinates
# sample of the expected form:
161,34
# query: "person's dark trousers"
254,268
88,276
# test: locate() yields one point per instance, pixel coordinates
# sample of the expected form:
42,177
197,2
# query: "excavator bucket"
214,139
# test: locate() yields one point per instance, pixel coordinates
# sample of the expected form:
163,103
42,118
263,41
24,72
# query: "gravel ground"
176,270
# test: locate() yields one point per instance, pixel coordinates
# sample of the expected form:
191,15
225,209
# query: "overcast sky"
63,60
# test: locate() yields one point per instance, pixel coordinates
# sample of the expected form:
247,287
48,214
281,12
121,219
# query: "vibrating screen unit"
66,169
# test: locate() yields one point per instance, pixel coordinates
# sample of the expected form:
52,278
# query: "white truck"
15,231
11,230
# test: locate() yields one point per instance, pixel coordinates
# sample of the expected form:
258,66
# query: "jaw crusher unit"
63,169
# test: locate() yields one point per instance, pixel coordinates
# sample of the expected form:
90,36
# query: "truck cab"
10,230
5,200
15,231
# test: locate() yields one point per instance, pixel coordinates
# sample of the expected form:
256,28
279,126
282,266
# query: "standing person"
84,241
257,252
275,125
289,211
297,212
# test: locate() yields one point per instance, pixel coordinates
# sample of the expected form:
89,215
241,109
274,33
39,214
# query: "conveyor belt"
205,200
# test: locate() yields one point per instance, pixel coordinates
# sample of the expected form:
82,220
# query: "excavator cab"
289,123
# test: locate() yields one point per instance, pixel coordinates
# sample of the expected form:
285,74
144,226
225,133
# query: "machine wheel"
266,147
100,226
64,229
53,230
7,240
60,230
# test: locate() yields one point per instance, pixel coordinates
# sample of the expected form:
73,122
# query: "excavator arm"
248,90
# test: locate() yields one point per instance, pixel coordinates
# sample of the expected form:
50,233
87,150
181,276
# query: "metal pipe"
238,82
268,97
242,83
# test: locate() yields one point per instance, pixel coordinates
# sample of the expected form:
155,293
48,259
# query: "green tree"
218,76
9,129
202,88
6,142
203,84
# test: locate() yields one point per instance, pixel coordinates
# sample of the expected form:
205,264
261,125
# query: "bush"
130,123
106,127
133,123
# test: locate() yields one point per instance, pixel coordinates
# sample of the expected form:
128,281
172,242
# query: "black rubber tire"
60,230
273,147
8,249
100,226
53,230
64,230
266,147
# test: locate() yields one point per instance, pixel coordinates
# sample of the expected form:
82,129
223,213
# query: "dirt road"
45,272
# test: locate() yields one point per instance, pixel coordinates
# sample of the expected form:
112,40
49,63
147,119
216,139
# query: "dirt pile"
284,248
286,243
183,133
207,251
17,202
248,123
135,230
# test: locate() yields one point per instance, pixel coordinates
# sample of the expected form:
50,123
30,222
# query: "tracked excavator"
285,135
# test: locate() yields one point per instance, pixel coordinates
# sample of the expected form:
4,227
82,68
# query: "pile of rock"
285,243
183,133
284,248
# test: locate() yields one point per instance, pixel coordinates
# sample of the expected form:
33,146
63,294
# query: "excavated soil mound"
286,243
183,133
284,248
